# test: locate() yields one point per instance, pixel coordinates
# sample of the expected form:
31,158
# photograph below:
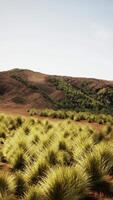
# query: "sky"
64,37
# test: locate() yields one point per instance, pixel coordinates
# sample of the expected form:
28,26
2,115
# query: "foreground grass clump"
98,165
36,172
7,197
20,185
6,183
55,159
65,183
34,193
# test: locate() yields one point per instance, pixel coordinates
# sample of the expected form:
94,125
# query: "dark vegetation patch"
19,100
81,99
2,90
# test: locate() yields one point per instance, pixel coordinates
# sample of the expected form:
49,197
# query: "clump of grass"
34,193
20,185
36,172
98,165
19,121
62,145
65,184
2,157
2,134
19,160
82,146
65,158
7,196
6,183
66,134
47,126
35,139
98,137
51,156
26,130
103,135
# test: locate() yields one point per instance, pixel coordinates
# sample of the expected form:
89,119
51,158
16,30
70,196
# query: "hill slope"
25,88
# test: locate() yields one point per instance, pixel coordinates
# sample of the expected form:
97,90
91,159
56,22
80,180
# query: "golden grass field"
46,159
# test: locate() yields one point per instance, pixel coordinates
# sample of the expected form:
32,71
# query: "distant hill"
29,89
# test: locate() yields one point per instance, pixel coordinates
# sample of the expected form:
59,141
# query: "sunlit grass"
55,160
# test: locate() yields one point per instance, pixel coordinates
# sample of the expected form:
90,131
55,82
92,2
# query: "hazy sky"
67,37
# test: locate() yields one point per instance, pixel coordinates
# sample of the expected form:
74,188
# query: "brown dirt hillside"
14,93
24,89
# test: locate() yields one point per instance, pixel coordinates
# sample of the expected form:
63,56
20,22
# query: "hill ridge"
26,88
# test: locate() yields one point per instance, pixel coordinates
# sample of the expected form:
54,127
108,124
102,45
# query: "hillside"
27,89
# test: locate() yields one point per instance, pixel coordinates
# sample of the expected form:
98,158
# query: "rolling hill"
27,89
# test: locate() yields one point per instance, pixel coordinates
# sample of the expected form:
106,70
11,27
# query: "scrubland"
72,115
43,159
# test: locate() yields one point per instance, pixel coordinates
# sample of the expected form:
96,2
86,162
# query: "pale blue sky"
66,37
